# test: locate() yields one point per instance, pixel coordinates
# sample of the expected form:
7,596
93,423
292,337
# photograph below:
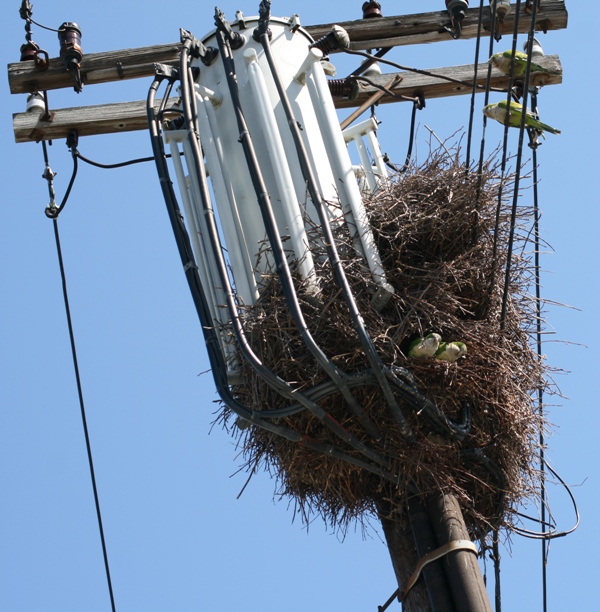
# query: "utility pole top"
420,28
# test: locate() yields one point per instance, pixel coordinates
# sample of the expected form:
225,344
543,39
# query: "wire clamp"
164,71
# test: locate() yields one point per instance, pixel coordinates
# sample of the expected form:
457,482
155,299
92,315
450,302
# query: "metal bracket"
166,72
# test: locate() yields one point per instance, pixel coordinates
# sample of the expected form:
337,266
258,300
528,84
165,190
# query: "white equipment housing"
235,202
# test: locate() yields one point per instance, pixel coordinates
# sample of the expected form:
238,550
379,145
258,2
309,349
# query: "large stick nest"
443,240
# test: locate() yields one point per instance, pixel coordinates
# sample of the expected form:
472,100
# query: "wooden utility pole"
453,583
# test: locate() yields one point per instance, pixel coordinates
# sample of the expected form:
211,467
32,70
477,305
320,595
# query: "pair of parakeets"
514,110
432,346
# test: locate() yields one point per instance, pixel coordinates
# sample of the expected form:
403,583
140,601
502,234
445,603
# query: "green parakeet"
497,111
451,351
424,347
502,62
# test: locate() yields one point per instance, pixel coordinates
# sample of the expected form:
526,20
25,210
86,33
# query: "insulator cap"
457,8
502,7
336,39
371,9
71,52
29,51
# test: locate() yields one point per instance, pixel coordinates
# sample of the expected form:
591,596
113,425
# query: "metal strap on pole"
434,555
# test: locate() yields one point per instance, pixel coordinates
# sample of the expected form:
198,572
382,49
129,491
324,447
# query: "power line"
82,406
53,211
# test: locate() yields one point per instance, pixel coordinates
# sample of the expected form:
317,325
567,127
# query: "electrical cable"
503,164
538,338
335,374
367,64
82,407
474,91
130,162
515,202
278,252
496,559
419,70
553,534
488,82
212,341
418,104
400,378
53,211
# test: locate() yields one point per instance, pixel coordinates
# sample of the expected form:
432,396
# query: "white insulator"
35,102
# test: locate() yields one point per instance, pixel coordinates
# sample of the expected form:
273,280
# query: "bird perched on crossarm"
498,111
451,351
502,61
424,347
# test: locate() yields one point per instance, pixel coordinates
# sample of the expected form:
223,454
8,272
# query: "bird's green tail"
548,128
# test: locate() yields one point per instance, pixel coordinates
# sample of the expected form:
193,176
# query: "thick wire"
140,160
418,104
474,92
552,534
496,559
215,355
484,124
503,164
285,276
52,210
538,338
418,70
400,378
82,407
39,25
513,215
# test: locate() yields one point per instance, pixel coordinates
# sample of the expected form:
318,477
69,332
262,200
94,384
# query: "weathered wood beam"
430,27
87,120
365,34
131,116
430,87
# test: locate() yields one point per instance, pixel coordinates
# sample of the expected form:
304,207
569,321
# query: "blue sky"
178,538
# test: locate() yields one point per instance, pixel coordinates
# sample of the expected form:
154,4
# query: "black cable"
399,377
184,247
419,70
82,407
475,67
484,125
493,270
39,25
538,302
515,202
372,60
53,211
263,200
418,104
314,192
212,340
553,534
130,162
496,558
